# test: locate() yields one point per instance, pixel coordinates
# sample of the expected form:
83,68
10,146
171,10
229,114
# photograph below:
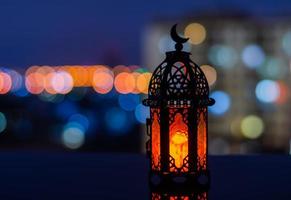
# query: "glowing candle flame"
178,140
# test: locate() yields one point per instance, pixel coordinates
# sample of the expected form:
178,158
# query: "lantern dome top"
178,80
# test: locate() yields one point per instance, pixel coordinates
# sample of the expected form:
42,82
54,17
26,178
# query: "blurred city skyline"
73,75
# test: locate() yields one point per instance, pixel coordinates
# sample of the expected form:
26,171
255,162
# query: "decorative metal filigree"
155,111
156,80
182,80
182,169
174,111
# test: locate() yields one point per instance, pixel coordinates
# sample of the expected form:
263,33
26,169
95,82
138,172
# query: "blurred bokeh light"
267,91
73,137
252,127
5,83
253,56
3,122
223,56
222,104
210,73
195,32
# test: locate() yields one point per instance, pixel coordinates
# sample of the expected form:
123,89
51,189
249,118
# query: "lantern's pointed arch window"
202,138
178,141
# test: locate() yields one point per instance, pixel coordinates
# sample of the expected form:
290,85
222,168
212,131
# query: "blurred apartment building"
247,63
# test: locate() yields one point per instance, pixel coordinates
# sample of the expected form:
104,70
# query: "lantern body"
177,127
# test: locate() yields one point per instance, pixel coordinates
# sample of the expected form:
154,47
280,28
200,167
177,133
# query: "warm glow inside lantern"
178,100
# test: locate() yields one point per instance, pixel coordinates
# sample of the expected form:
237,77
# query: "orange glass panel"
155,141
178,140
201,141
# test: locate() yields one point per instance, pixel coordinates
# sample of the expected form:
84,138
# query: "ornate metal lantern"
177,127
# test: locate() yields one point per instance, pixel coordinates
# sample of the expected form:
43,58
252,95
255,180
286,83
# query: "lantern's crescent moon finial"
176,37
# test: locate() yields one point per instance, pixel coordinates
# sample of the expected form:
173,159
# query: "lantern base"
165,181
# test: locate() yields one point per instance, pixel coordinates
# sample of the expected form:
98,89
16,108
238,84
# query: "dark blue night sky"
57,32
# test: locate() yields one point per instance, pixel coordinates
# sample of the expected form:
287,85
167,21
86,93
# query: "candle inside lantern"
178,140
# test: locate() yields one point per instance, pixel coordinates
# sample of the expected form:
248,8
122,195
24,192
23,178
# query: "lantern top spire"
179,40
